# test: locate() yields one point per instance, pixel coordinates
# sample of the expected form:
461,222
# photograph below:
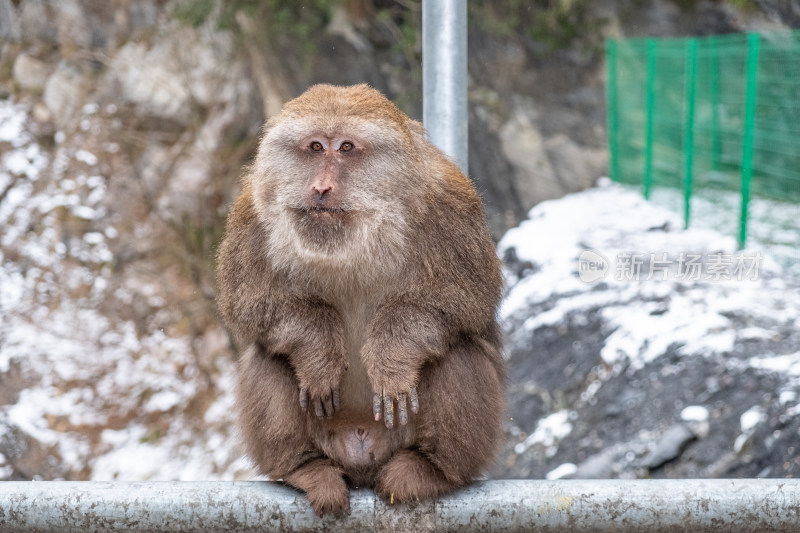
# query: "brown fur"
346,275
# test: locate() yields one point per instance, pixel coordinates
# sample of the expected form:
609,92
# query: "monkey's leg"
277,435
458,427
323,482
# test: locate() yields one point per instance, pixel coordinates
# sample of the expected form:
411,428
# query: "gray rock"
575,167
63,95
27,457
598,466
36,23
8,21
190,67
670,446
30,73
523,145
73,24
149,81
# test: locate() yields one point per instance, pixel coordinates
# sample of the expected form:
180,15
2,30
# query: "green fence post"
714,89
611,103
688,127
749,131
650,98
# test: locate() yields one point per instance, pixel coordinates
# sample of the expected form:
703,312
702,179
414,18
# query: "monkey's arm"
451,293
403,335
260,308
310,333
421,325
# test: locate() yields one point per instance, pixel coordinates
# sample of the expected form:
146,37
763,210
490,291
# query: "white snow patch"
751,418
566,469
86,157
694,413
655,312
787,364
754,333
787,396
12,123
549,431
772,225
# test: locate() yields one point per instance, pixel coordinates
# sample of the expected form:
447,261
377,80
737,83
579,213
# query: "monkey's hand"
319,386
402,336
389,392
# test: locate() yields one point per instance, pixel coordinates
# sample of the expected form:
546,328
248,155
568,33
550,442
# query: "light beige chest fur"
355,389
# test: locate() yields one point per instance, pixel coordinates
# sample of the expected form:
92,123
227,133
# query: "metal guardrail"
741,506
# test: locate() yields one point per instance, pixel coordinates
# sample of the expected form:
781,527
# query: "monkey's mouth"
333,210
324,213
321,216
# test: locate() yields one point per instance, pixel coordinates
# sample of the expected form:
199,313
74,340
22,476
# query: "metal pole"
444,77
742,505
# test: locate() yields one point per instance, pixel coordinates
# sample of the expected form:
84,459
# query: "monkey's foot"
324,485
409,477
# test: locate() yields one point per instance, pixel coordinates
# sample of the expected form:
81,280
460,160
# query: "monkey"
359,278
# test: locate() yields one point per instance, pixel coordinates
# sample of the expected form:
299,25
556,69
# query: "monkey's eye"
316,146
346,146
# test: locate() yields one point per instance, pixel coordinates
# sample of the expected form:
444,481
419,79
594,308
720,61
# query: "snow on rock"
85,392
655,310
548,432
618,315
751,418
694,413
563,470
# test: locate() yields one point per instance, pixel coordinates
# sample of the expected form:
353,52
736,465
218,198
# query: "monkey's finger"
318,408
327,404
402,409
388,411
335,394
304,399
412,393
376,406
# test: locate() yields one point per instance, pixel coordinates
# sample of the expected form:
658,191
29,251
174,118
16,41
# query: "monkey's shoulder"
242,254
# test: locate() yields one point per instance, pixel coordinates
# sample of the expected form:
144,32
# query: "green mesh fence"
719,112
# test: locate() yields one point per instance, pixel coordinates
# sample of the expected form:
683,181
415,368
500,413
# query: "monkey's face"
332,161
328,176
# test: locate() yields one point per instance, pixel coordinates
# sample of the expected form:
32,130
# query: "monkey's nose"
360,432
321,189
320,195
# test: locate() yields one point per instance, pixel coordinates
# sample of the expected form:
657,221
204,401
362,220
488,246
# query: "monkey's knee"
409,476
462,403
270,418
